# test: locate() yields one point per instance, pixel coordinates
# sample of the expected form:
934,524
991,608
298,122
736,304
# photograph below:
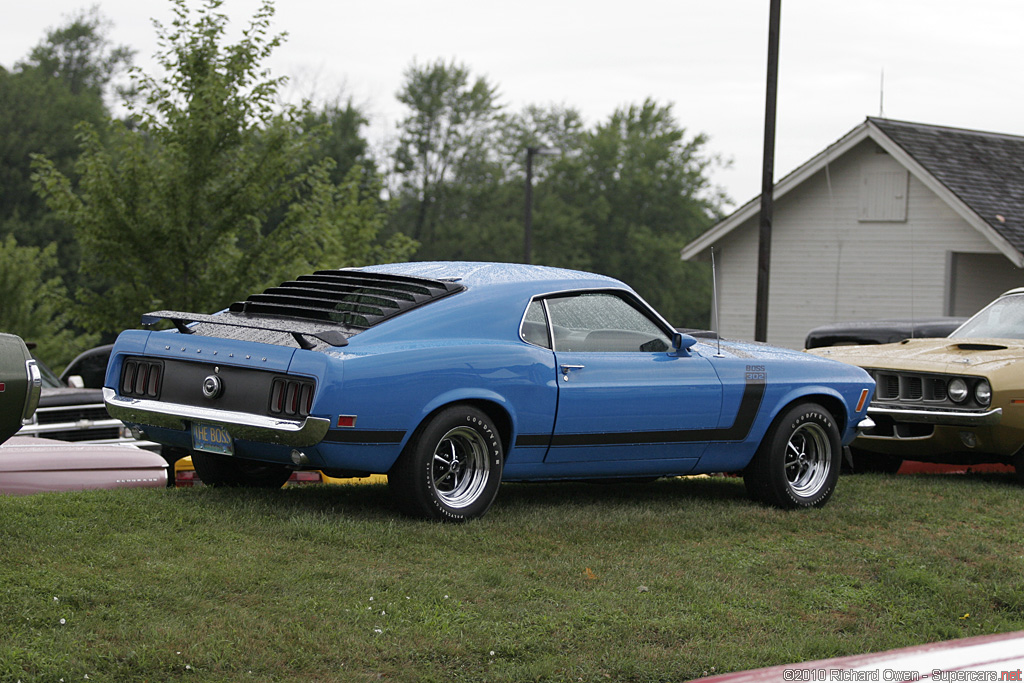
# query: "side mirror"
681,343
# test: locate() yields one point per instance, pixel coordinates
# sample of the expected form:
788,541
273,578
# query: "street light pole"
528,220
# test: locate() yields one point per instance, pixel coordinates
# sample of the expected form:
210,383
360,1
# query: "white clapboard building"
894,220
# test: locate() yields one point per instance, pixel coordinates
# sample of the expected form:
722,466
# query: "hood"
69,396
732,348
956,356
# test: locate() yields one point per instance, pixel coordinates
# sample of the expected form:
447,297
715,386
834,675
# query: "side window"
535,326
603,322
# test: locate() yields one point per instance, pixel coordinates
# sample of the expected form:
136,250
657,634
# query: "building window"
883,196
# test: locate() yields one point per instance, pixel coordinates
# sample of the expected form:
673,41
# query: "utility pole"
528,219
764,252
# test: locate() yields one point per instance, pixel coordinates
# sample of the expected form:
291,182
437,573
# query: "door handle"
566,367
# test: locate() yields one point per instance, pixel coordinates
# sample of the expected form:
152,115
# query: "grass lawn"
560,582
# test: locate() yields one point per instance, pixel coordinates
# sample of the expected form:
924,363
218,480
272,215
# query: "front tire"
227,471
797,464
451,468
1018,466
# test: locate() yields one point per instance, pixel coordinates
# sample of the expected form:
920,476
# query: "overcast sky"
945,62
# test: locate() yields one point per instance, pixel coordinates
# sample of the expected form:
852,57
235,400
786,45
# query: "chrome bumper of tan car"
954,418
245,426
865,424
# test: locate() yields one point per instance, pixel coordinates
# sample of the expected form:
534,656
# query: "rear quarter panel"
394,387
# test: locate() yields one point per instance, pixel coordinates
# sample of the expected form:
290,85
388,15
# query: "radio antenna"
881,95
714,301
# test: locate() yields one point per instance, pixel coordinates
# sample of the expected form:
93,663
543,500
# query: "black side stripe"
753,392
371,436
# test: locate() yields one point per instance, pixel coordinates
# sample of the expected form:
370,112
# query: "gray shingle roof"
985,170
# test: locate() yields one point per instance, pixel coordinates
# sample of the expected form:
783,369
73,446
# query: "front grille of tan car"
920,389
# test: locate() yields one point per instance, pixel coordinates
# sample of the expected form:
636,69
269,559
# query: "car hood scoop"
980,346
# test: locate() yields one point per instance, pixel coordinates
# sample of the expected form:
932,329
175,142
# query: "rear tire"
797,464
222,470
451,468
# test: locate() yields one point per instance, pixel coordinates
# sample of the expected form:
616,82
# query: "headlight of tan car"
983,393
958,390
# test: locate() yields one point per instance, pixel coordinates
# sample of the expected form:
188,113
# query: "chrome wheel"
797,463
808,459
451,468
461,467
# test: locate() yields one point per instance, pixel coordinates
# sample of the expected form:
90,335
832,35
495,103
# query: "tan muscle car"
958,399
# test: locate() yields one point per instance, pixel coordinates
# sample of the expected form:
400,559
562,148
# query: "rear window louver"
329,305
349,298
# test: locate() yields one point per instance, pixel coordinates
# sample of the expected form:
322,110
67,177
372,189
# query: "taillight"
291,397
141,378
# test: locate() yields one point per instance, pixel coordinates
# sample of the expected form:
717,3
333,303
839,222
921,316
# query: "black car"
880,331
72,413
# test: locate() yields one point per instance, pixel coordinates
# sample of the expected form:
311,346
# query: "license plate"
211,439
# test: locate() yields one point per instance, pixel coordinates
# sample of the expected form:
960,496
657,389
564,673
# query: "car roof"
491,305
486,274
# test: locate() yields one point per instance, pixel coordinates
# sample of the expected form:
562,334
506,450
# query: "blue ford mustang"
453,377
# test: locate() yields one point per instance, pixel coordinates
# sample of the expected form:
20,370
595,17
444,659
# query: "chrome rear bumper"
246,426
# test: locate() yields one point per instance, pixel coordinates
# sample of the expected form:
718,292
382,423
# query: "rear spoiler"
300,330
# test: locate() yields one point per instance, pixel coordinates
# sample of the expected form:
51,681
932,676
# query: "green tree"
215,192
443,143
340,134
80,55
557,127
34,303
561,235
60,83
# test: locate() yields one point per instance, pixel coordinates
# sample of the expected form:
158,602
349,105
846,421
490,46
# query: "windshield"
50,380
1001,319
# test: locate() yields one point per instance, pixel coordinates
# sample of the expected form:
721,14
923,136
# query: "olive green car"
20,385
958,399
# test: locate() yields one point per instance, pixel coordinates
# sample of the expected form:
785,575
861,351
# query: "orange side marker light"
863,397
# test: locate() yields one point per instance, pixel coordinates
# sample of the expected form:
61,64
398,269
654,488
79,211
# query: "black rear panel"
260,392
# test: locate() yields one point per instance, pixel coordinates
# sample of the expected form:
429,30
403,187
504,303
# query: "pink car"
998,657
32,465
